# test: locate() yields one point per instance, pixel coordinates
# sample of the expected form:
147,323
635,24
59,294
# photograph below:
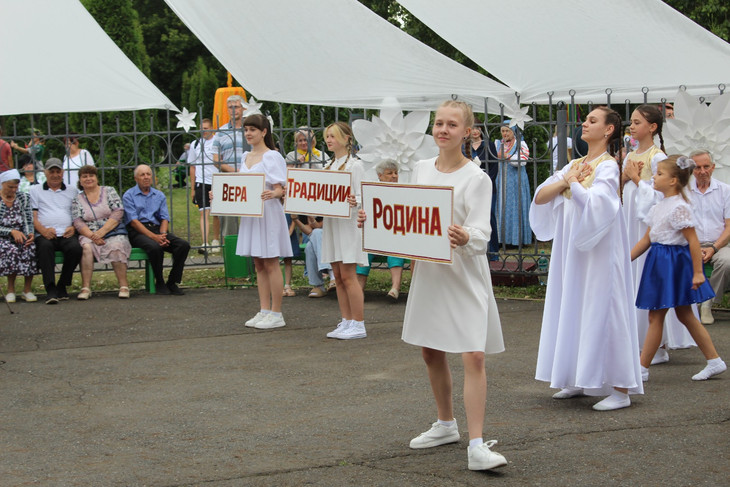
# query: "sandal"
123,292
393,294
84,294
317,292
332,286
288,291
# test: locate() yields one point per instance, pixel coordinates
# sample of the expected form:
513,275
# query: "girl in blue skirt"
673,275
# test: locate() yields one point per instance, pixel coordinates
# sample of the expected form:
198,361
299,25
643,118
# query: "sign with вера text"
237,194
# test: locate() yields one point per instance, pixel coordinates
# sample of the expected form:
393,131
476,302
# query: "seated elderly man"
711,204
51,203
147,221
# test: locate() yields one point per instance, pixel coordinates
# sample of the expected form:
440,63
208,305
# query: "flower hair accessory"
685,162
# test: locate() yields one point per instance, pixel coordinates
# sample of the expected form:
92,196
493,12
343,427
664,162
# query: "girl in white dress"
673,276
342,240
266,238
638,197
451,307
589,341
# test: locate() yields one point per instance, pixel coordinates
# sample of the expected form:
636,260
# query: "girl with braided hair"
639,196
342,240
588,342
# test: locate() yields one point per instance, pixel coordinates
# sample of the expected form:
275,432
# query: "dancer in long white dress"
589,341
266,238
673,276
638,197
342,240
451,308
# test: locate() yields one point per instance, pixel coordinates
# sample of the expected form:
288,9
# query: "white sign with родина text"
408,220
318,192
237,194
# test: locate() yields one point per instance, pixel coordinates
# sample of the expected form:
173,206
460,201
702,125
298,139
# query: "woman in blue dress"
513,190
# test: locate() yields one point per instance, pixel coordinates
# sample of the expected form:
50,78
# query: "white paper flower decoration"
391,136
698,126
186,119
518,116
251,108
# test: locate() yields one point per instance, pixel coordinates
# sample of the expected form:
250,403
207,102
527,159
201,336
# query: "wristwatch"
714,248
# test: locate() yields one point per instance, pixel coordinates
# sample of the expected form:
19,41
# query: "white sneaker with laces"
356,329
437,435
482,458
341,326
270,321
710,371
259,317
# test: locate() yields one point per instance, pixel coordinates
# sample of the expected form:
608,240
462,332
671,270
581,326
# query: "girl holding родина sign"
451,307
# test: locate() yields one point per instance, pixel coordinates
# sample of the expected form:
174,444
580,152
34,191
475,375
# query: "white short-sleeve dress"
341,239
267,236
451,307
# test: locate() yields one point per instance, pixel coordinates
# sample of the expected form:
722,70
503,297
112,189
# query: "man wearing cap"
711,207
51,203
147,219
35,150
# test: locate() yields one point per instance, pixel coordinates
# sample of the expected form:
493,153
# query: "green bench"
136,255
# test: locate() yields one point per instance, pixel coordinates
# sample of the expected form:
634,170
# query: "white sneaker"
661,356
355,330
29,297
482,458
706,317
215,244
709,371
10,298
437,435
644,374
256,319
270,321
341,326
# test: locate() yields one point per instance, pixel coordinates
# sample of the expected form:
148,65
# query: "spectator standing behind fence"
17,249
35,150
202,168
711,205
29,176
485,151
569,143
75,159
673,276
589,341
451,308
316,270
6,154
53,224
99,219
229,145
513,190
387,172
265,238
342,240
147,220
306,155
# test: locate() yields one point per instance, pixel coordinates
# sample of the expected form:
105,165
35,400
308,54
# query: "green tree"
713,15
199,85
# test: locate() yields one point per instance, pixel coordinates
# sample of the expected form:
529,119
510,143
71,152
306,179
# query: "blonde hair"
342,134
468,120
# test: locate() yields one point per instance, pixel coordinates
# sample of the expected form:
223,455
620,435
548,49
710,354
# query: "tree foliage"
713,15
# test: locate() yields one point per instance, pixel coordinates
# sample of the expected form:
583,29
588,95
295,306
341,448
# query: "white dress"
267,236
451,307
638,200
588,336
341,239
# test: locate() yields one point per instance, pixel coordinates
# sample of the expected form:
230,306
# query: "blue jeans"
312,258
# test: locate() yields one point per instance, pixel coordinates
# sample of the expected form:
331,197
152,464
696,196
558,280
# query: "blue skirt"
666,281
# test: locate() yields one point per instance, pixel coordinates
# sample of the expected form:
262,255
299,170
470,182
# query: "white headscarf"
9,175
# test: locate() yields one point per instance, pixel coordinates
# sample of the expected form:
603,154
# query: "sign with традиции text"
318,193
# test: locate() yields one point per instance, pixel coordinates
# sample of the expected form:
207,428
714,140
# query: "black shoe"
51,297
175,290
202,251
162,289
61,293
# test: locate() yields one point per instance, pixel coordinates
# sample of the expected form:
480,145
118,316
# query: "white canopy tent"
330,52
536,47
70,66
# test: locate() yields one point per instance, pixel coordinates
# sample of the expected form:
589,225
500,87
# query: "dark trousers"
45,251
493,246
178,247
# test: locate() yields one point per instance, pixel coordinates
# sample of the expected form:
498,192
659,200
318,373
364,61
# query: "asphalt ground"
175,391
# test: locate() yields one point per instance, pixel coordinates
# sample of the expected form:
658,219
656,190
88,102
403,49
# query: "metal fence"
120,144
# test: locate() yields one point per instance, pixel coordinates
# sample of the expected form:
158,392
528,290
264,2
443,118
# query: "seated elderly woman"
97,216
17,249
387,172
306,154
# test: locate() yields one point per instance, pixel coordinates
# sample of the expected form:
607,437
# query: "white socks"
714,366
475,442
448,424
